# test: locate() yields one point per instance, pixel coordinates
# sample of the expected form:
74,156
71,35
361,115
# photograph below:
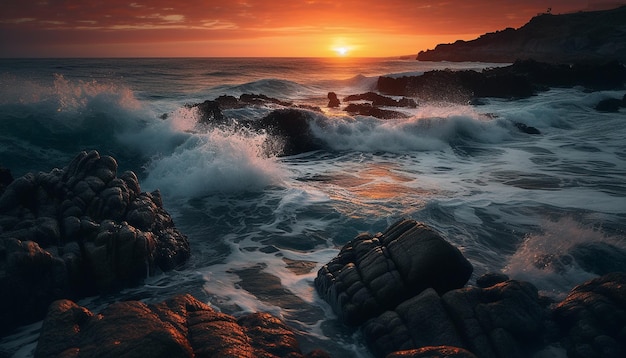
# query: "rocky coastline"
594,37
86,229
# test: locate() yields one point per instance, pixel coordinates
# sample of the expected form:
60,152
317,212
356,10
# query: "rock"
74,229
491,279
565,38
292,127
504,320
519,80
366,109
418,322
600,258
333,101
609,105
210,112
593,318
179,327
288,127
433,352
373,274
526,128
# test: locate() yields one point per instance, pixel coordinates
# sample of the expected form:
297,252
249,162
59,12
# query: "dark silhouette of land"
595,36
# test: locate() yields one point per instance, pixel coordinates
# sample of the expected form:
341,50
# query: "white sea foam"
543,258
215,161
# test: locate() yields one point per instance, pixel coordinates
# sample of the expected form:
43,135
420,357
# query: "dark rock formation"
491,279
333,101
366,109
373,274
519,80
288,127
524,128
292,127
79,231
179,327
576,37
504,320
593,318
403,286
380,100
433,352
456,86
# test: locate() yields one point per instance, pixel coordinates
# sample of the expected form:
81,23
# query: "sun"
341,51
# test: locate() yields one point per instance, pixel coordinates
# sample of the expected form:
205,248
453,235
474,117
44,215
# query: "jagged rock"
292,126
210,112
75,228
333,101
288,127
178,327
373,274
366,109
505,320
593,318
433,352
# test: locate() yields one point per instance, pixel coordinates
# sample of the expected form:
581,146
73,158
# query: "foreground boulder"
79,231
373,274
179,327
505,320
593,318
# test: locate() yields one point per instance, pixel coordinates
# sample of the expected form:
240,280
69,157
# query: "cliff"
577,37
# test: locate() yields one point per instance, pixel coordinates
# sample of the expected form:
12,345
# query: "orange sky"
165,28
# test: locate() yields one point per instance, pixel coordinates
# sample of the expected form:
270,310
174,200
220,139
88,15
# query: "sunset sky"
164,28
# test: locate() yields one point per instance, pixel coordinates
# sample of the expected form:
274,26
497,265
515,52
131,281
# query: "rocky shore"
596,36
79,231
84,230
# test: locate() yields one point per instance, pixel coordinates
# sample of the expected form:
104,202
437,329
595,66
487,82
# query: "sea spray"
546,260
220,160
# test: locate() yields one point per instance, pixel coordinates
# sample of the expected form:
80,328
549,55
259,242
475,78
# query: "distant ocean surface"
505,198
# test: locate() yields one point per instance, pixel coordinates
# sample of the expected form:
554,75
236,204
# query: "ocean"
260,226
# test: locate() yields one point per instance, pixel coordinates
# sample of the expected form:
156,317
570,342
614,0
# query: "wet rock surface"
79,231
178,327
375,273
435,316
592,318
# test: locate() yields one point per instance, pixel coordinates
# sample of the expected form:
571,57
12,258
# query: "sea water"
260,226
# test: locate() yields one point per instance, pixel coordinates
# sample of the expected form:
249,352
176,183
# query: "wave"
430,128
220,160
271,87
49,123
